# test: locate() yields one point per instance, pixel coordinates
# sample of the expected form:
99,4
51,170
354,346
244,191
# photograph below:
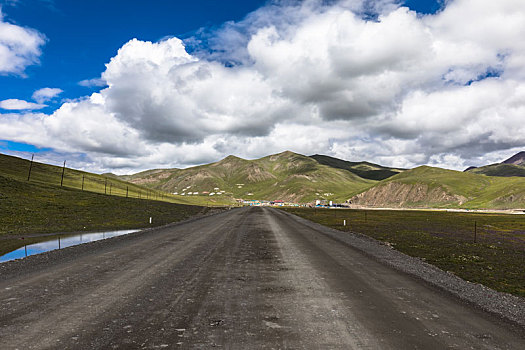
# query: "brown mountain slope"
287,176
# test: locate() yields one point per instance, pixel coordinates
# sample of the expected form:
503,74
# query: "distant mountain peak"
286,154
232,157
517,159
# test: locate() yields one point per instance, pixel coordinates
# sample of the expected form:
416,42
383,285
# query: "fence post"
475,231
110,186
63,170
127,191
30,167
105,186
82,182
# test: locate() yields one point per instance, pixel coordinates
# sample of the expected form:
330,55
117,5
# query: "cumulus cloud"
19,47
14,104
366,80
46,94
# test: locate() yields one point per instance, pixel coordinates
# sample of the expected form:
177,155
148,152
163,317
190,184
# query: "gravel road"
249,278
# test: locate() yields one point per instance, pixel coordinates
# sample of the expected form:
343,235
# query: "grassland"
494,256
32,209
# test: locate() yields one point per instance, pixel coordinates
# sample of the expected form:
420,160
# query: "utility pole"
30,167
63,170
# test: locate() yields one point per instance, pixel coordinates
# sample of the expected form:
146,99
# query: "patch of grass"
29,208
493,257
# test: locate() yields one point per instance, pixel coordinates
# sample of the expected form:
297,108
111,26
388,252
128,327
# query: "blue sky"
83,35
78,39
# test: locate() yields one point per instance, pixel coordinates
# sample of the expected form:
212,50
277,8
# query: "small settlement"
320,203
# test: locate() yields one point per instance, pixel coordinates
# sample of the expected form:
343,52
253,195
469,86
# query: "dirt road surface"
248,278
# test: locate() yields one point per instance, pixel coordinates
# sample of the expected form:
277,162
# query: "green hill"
503,170
109,184
514,166
41,173
439,188
285,176
365,170
41,206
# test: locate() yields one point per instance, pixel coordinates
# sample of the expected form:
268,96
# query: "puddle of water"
62,242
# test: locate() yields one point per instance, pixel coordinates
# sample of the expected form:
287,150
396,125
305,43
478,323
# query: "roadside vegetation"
481,248
33,209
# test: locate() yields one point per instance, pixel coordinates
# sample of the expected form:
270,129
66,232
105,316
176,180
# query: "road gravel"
250,278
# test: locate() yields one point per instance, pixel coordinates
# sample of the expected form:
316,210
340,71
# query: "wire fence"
76,179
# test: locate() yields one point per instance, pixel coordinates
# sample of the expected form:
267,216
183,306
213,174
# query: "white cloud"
46,94
14,104
19,47
95,82
399,89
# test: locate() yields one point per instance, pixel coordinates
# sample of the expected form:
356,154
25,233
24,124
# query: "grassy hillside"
109,184
286,176
30,210
365,170
18,168
439,188
34,208
514,166
503,170
40,206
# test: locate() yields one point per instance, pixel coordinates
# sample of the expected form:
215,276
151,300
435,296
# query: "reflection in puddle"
62,242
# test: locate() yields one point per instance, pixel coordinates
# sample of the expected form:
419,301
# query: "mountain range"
292,177
297,178
285,176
